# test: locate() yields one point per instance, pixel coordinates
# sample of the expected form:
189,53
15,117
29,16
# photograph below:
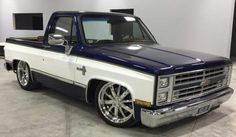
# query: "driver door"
55,63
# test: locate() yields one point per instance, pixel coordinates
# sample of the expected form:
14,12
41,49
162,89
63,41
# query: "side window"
66,27
138,33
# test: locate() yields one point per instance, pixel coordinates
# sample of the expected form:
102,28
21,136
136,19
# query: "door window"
66,27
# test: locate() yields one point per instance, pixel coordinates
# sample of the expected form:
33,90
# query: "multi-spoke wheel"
115,105
24,76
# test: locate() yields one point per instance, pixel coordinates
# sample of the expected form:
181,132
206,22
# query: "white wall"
1,36
201,25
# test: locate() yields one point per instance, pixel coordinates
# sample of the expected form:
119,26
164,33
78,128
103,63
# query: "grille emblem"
205,82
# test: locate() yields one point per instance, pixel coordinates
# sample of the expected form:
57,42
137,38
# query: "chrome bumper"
155,118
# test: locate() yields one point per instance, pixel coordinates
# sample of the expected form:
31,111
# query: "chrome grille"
197,83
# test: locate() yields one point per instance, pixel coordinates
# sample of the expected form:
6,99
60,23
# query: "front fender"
141,85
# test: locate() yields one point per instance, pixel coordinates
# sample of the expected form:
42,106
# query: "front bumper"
172,113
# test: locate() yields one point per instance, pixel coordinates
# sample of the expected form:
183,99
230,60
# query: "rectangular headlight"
164,82
164,89
162,97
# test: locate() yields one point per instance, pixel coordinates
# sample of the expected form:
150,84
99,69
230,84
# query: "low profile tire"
114,104
24,76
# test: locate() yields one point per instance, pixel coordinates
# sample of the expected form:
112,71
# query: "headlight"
164,82
162,97
228,74
164,89
227,69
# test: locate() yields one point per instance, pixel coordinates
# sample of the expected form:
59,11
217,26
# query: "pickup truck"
113,61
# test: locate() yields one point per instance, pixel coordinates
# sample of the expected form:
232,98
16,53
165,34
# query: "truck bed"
36,42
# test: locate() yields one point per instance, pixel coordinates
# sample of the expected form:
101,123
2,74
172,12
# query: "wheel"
114,104
24,76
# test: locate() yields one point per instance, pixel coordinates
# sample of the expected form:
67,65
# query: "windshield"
104,29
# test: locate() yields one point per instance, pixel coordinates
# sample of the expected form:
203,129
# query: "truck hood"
158,59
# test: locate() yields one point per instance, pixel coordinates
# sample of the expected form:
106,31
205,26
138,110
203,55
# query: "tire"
24,76
114,105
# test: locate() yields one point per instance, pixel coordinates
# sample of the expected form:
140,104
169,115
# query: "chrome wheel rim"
23,73
115,103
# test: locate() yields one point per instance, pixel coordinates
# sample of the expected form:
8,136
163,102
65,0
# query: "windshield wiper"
139,41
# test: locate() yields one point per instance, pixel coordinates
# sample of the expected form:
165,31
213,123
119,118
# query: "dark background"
28,21
233,44
128,11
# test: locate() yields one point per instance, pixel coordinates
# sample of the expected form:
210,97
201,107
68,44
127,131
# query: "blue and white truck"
113,61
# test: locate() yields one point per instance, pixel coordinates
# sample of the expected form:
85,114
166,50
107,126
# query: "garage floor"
46,113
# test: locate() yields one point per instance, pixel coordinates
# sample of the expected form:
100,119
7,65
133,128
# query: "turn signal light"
143,103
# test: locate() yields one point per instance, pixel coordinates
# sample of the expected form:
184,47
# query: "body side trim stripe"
81,85
60,78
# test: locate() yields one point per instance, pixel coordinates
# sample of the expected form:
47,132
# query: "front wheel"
115,105
24,76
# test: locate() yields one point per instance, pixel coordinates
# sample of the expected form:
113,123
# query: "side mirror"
56,39
59,40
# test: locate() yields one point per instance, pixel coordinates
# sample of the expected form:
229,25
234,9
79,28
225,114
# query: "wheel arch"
16,61
14,64
93,83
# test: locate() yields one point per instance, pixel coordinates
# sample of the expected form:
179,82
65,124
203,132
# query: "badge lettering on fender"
83,69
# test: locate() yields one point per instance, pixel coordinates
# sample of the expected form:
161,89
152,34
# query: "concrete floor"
46,113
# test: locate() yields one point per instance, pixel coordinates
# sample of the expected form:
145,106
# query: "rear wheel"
115,105
24,76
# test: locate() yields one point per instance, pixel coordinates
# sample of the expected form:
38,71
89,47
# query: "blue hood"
154,59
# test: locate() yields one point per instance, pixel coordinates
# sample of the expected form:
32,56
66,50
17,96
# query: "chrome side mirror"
59,40
56,39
